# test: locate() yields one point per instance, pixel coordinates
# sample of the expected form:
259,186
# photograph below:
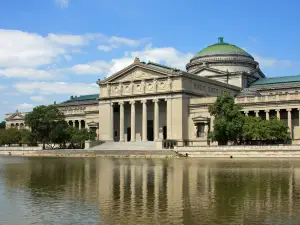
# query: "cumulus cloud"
28,73
168,55
24,49
25,106
105,48
38,98
123,41
62,3
50,88
117,42
273,62
31,50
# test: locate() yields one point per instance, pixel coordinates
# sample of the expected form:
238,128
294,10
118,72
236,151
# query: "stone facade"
151,102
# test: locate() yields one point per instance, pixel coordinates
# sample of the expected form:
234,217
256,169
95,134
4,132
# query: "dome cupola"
226,63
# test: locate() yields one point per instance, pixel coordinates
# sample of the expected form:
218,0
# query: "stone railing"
268,98
169,144
22,148
240,148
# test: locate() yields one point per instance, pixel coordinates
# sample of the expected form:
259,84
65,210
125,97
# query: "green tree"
228,123
28,138
60,134
78,137
2,125
279,130
258,130
42,120
11,136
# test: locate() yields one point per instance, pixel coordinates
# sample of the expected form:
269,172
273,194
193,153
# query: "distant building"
149,101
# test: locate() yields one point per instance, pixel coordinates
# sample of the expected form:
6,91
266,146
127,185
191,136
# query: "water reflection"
148,191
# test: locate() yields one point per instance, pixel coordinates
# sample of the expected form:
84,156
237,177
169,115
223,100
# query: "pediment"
200,119
136,72
206,71
16,116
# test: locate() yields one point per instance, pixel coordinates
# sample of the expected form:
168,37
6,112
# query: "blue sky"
52,49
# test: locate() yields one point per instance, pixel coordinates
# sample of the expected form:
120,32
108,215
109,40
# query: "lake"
149,191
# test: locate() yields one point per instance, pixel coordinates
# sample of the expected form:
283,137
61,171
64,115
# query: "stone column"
257,113
299,116
111,134
278,113
169,118
121,121
144,122
74,123
79,124
267,114
212,118
289,119
246,113
132,121
156,119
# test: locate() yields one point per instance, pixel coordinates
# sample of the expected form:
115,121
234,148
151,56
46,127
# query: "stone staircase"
121,146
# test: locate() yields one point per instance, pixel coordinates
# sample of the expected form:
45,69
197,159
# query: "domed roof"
221,48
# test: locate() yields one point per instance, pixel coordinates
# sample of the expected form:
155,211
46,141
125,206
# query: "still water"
148,191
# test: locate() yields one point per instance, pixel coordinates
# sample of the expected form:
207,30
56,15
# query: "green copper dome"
221,48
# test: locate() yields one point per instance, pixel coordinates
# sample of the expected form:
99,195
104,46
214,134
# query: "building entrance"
150,130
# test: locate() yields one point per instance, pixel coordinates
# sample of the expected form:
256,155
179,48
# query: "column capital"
155,100
256,111
132,102
121,103
144,101
267,110
167,99
277,110
246,111
112,103
288,110
298,109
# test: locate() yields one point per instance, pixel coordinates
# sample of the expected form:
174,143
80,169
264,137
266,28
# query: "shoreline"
80,153
213,153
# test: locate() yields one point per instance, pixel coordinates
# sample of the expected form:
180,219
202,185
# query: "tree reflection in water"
150,191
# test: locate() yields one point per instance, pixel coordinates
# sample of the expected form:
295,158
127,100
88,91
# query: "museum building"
152,102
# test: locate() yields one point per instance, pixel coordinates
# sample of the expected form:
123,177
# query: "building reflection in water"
157,191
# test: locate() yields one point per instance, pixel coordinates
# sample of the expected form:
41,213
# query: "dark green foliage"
42,121
2,125
272,131
228,123
231,125
78,137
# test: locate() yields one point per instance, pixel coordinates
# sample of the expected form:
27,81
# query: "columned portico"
144,122
132,120
121,121
156,119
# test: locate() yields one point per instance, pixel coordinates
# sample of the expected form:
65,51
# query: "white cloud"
31,50
28,73
62,3
12,94
105,48
2,87
25,106
68,57
4,102
50,88
168,56
69,40
38,98
123,41
24,49
96,68
273,62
